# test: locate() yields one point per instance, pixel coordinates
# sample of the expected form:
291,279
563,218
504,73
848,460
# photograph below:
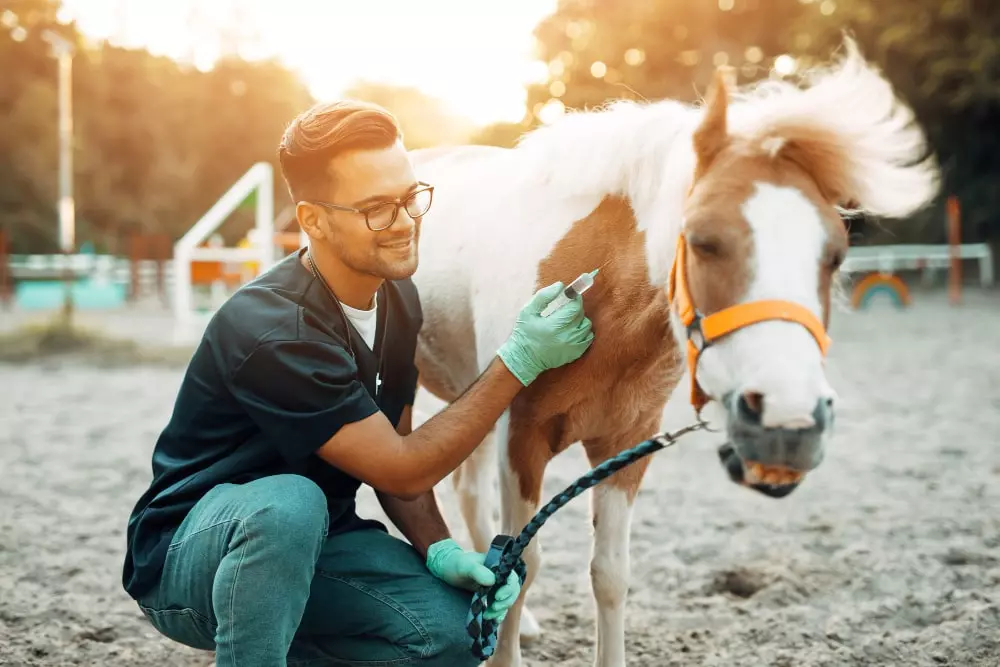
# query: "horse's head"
761,244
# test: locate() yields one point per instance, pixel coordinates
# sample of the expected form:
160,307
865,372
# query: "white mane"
620,148
630,148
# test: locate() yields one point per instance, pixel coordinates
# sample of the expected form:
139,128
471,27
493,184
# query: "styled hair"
324,131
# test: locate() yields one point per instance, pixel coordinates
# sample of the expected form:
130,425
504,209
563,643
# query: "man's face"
361,179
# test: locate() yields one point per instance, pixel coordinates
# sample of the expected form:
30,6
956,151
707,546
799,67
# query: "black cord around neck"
333,295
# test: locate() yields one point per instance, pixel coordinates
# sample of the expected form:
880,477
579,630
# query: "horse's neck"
641,152
623,297
660,215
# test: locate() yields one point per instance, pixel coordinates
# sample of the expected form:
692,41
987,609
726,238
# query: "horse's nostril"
753,402
829,403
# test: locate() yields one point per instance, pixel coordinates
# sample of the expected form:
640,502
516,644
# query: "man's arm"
419,519
409,466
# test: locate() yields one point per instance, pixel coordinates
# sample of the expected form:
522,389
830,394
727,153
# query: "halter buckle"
696,335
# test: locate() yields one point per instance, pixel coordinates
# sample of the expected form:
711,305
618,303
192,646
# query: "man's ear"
310,220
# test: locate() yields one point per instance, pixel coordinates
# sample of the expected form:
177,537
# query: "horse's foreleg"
524,453
611,505
473,482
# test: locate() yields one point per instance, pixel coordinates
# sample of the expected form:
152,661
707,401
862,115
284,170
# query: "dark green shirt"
271,381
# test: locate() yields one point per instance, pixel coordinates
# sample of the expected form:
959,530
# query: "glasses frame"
397,203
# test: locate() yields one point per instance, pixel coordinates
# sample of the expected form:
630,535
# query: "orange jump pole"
954,240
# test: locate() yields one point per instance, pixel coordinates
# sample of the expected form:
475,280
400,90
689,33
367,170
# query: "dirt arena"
888,555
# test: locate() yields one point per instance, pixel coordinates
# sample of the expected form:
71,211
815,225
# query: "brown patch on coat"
627,374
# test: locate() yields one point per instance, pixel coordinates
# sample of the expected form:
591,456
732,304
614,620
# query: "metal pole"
67,208
63,50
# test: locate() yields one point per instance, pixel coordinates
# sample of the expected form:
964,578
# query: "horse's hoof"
530,630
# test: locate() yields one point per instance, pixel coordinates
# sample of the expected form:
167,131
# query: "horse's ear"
711,136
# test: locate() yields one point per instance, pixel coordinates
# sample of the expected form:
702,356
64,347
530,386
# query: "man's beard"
384,263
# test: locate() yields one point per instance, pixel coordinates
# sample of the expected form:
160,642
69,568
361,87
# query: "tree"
649,49
943,56
156,142
425,120
28,104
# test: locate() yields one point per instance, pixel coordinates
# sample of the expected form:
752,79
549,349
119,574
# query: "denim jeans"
252,575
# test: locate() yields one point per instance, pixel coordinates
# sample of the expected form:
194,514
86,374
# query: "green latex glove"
450,563
539,343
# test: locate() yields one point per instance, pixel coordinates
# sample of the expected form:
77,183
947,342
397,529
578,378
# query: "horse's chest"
625,394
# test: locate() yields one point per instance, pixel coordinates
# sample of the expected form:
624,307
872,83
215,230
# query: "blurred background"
134,131
173,100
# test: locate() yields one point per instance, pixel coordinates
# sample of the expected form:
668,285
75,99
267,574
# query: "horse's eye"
707,247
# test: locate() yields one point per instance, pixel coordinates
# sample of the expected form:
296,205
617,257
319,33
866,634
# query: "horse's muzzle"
734,466
772,461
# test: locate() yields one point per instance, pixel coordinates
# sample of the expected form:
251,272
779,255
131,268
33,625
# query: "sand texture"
889,554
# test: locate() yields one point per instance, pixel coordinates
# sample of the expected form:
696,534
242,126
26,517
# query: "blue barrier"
87,294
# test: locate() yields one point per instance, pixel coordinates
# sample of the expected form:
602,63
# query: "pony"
718,231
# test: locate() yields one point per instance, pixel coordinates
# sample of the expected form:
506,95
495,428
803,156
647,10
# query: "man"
247,541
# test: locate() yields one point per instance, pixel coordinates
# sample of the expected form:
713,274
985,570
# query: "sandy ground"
888,555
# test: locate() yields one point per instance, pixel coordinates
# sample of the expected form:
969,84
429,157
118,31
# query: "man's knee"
293,514
450,641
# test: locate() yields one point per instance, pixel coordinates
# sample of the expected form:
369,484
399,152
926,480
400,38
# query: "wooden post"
954,241
6,289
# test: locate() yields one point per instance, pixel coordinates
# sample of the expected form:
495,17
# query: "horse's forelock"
848,129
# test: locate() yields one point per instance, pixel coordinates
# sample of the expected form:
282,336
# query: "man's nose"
403,222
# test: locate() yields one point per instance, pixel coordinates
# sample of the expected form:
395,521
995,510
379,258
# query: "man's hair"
325,131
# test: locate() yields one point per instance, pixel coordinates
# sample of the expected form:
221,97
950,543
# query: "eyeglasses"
381,215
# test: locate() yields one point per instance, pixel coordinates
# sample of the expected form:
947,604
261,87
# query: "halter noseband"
703,330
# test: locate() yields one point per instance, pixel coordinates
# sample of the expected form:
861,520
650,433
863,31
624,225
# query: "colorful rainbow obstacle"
880,263
876,284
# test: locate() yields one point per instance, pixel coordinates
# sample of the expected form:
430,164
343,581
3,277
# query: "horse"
718,231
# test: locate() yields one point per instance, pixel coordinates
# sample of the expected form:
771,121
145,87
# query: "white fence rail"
258,178
889,258
119,269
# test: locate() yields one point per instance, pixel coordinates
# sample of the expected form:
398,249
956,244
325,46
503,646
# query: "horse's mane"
846,115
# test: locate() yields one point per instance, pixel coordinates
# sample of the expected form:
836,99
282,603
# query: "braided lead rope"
504,555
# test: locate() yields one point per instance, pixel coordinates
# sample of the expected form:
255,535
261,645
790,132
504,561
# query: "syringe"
576,288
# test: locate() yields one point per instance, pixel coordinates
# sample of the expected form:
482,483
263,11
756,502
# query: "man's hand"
540,343
464,569
409,466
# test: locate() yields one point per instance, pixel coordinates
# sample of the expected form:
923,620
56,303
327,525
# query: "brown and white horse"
722,216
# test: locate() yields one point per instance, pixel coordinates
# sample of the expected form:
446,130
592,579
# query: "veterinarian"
247,541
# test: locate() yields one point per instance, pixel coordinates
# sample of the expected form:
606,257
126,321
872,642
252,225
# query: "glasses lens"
381,216
418,203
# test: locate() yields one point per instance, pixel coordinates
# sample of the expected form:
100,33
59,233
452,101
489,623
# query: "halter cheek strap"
703,330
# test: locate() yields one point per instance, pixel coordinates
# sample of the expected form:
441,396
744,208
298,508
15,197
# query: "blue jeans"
252,575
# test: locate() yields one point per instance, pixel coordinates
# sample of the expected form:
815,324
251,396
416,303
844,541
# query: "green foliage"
651,49
943,56
155,142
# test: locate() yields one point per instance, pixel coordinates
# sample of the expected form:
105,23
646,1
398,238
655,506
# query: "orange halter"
703,330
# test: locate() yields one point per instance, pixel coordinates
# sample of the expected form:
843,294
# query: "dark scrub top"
270,382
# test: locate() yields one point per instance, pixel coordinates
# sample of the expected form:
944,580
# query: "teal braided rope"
505,552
